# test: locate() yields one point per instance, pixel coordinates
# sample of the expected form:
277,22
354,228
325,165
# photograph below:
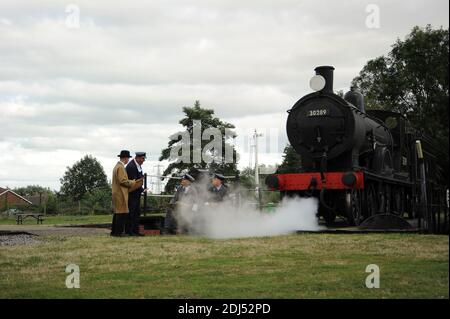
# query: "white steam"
224,220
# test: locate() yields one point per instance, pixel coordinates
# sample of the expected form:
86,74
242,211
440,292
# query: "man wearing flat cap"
134,171
218,191
185,198
121,186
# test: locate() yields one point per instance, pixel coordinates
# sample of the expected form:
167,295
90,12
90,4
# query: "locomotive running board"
385,222
382,178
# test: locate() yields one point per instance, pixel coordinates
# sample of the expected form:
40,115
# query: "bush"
98,201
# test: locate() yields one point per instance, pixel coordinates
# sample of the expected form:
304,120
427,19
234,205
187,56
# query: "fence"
433,216
262,199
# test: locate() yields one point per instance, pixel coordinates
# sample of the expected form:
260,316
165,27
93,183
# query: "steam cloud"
224,220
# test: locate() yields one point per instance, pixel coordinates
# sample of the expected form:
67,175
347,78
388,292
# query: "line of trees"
84,190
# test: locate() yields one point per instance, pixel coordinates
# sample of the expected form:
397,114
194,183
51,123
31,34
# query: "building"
9,198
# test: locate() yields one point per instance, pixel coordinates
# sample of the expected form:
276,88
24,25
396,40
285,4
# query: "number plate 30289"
317,112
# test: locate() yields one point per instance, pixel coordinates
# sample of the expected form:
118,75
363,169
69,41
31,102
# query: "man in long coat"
121,186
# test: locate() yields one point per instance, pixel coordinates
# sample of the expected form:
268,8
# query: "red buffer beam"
308,181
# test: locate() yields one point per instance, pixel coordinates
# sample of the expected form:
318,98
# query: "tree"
84,176
206,116
291,160
247,178
413,79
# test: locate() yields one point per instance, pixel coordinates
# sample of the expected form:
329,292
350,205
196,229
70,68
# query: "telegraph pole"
255,137
158,179
258,193
423,189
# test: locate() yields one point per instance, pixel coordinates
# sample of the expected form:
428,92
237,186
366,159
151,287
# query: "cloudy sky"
94,77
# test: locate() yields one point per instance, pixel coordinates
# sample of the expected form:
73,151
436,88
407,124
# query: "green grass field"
61,220
294,266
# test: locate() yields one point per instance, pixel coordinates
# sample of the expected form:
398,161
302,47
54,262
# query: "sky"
95,77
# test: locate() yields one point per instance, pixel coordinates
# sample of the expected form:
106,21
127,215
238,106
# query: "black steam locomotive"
357,162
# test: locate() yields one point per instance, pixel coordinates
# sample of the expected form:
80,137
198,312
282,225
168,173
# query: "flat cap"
140,154
219,176
188,177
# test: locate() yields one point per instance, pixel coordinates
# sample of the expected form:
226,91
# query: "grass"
61,220
294,266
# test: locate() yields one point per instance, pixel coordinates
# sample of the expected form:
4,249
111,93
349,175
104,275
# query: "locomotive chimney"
327,73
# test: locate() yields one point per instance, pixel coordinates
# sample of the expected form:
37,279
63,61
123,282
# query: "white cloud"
121,78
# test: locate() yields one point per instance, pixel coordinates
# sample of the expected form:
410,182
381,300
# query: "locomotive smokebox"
327,73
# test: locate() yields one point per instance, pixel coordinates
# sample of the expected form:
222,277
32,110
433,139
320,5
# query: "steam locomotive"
357,162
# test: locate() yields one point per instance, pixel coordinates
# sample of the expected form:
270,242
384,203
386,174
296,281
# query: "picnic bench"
20,217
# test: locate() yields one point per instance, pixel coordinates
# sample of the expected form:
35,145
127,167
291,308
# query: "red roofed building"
9,198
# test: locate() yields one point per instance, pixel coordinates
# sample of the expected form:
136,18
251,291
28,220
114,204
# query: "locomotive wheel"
371,205
353,207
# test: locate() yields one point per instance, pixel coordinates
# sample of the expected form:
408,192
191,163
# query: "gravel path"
54,230
20,239
14,235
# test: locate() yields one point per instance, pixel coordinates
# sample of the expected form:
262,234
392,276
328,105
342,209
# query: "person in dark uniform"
134,171
185,198
218,191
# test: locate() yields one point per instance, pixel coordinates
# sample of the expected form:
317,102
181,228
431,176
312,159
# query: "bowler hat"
124,153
